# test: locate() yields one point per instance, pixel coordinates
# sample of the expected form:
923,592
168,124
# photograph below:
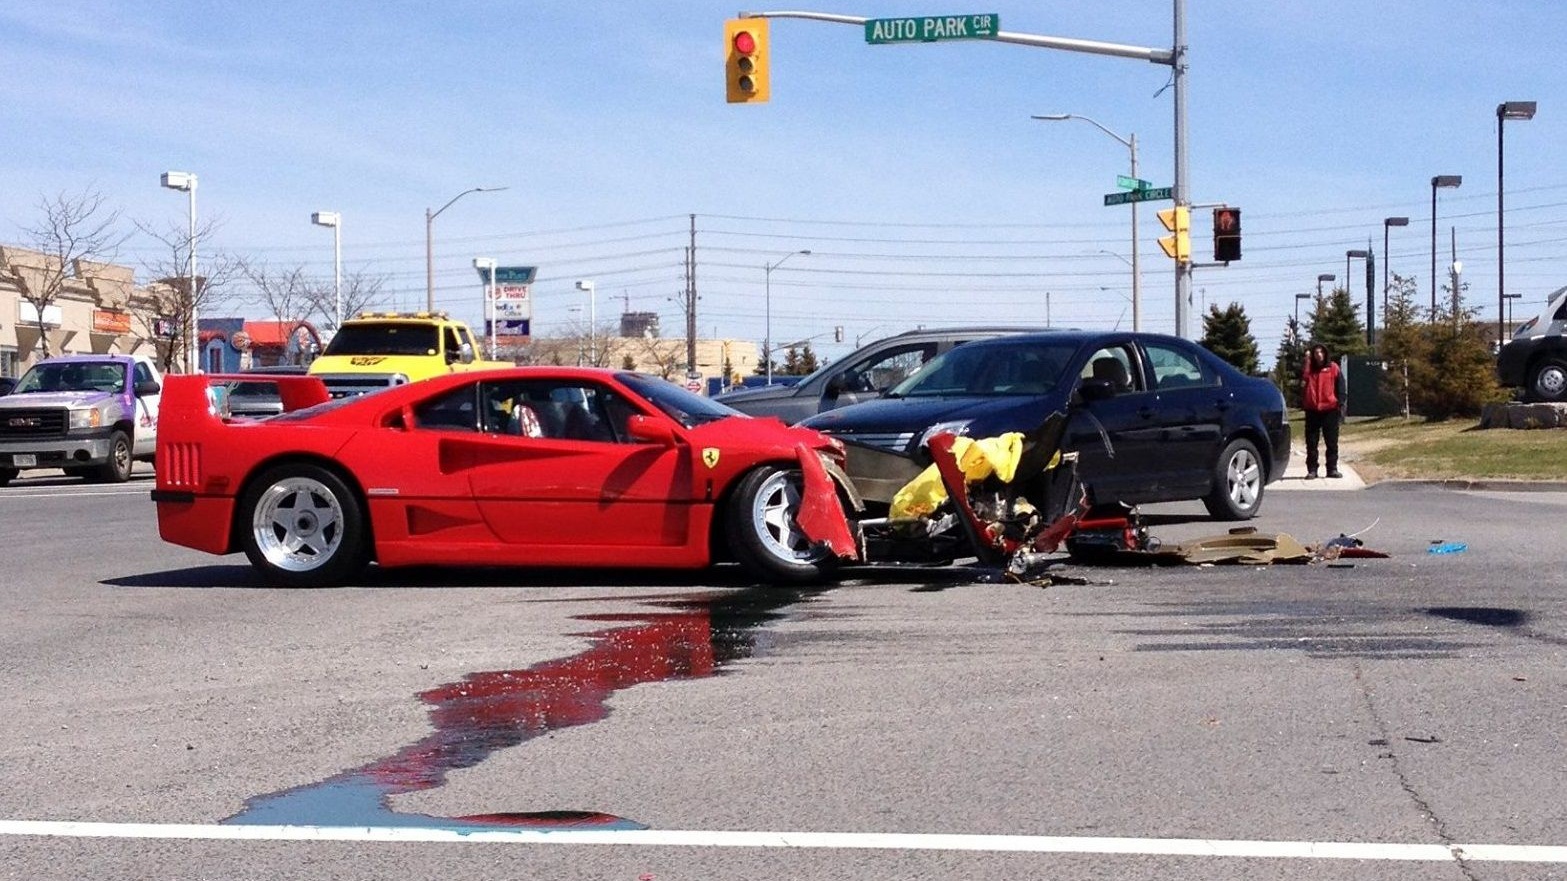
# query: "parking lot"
1401,718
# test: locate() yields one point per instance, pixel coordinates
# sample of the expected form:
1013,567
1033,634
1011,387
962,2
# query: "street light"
1509,298
1298,298
1504,111
1130,143
486,267
1326,276
335,221
1387,222
1448,181
186,182
593,317
429,242
767,342
1361,254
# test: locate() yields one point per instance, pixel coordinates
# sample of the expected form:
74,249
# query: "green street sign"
1132,183
1150,195
930,29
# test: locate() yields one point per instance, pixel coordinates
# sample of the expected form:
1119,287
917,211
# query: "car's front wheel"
301,526
1548,380
117,468
762,532
1237,483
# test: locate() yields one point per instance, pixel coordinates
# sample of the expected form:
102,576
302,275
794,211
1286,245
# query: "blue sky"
913,173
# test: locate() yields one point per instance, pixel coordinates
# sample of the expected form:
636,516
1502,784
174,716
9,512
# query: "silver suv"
859,376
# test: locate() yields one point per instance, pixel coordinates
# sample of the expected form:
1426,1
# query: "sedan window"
1009,368
1115,365
1173,368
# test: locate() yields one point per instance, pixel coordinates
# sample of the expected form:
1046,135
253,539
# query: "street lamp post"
1504,111
593,317
335,221
1447,181
429,242
1361,254
1298,298
767,341
1130,142
1387,222
186,182
1509,298
486,267
1326,276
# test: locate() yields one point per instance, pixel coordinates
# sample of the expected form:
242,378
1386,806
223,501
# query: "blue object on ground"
1451,547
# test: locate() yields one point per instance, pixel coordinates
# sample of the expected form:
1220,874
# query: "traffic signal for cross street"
745,64
1177,220
1226,234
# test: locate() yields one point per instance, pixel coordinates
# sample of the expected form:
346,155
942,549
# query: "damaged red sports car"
537,466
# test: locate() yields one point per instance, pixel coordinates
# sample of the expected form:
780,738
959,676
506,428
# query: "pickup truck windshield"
108,376
385,338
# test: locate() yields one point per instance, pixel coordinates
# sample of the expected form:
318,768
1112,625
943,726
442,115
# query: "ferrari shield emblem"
710,457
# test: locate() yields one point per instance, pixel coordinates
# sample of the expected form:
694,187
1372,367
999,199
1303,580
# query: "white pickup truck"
91,415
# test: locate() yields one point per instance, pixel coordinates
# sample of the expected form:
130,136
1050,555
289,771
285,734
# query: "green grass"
1453,450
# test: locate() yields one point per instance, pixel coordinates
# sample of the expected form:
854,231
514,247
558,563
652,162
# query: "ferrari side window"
453,411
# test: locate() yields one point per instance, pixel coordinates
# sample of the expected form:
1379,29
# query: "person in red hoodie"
1323,397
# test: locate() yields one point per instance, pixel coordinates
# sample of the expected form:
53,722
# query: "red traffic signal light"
1226,234
745,60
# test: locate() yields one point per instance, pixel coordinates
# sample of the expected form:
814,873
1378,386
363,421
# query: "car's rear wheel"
1237,483
301,526
1548,380
762,532
117,469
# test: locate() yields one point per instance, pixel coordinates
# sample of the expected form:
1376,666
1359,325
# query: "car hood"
1008,412
54,399
761,431
765,393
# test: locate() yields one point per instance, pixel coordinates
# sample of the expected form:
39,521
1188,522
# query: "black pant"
1325,424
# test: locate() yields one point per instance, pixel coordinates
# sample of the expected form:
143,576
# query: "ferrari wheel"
118,467
762,531
1237,484
302,526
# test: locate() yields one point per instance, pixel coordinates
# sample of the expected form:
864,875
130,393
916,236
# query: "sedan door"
1116,438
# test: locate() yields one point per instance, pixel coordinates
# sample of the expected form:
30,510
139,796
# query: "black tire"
1548,380
1238,478
759,523
302,526
7,475
118,468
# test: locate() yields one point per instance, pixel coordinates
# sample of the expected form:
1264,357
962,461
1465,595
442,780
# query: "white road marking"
1338,850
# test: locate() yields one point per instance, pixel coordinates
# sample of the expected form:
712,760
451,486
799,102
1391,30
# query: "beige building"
655,355
96,311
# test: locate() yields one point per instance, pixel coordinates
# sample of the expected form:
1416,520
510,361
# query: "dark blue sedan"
1153,418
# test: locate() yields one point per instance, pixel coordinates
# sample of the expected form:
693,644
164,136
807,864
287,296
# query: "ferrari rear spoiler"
203,396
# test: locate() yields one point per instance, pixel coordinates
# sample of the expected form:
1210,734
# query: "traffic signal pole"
1174,57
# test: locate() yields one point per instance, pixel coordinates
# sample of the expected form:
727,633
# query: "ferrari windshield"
991,368
73,376
385,338
684,407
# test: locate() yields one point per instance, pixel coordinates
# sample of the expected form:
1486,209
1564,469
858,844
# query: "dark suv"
1153,418
860,376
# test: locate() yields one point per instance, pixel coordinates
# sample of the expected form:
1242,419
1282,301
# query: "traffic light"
745,65
1226,234
1177,220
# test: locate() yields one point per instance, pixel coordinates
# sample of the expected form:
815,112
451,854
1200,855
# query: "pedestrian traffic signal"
745,65
1177,220
1226,234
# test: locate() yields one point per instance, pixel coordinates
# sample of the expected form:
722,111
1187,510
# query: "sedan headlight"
87,418
957,426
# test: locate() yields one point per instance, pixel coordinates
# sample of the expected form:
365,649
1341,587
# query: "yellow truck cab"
376,350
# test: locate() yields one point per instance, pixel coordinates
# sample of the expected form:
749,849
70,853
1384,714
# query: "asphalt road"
1218,723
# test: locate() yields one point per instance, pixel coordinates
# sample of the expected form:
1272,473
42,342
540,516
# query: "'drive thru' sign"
933,28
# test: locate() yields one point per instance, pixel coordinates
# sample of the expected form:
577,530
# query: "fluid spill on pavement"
486,712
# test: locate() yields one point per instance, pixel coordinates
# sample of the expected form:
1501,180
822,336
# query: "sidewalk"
1295,477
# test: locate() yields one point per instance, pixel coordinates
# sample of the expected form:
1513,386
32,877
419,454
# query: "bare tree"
361,291
287,292
170,301
74,227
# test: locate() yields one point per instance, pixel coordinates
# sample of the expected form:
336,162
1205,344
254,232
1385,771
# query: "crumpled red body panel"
821,516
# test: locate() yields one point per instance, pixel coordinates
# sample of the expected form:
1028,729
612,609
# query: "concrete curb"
1475,485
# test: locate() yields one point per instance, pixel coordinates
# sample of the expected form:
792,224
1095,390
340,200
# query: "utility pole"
691,302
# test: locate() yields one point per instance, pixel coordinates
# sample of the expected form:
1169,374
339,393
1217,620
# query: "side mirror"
1096,389
466,353
646,429
147,388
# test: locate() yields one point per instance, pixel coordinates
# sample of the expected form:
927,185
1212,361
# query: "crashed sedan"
1153,418
570,467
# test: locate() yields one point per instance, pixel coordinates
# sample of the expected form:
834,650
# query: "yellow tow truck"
376,350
